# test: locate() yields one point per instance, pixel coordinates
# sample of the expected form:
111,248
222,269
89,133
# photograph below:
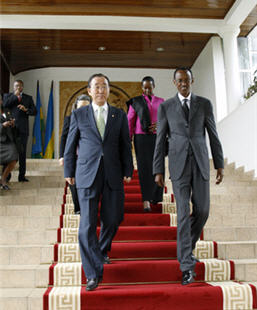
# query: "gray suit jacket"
172,122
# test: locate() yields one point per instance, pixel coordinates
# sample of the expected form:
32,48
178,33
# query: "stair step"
70,253
237,250
26,254
153,296
23,237
36,192
236,233
28,222
141,271
24,276
126,234
246,269
30,210
8,199
21,298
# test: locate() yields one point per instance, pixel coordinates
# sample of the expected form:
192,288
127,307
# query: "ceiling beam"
239,12
111,23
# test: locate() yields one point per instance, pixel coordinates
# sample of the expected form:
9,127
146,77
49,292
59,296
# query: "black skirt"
8,152
144,147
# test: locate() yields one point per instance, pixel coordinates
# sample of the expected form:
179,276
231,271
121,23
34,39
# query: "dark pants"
75,198
192,186
144,148
92,250
23,139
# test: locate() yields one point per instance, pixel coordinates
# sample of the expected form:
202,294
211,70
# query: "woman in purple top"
142,118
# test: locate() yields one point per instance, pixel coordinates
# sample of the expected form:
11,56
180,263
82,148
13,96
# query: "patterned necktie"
185,108
100,122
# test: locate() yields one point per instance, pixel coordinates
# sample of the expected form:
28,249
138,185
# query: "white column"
230,49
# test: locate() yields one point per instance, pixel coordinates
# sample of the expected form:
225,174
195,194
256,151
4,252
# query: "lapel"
111,118
193,106
92,120
179,108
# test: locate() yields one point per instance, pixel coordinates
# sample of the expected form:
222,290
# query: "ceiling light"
101,48
160,49
46,47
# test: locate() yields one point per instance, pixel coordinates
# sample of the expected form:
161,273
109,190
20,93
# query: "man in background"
21,107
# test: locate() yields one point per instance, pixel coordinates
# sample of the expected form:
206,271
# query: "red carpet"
144,273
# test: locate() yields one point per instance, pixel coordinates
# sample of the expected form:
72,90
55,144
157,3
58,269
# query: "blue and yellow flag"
38,129
49,135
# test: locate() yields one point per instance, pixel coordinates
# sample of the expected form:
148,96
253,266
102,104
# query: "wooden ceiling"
157,8
75,48
23,49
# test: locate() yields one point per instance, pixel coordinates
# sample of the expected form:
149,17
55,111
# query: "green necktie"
100,122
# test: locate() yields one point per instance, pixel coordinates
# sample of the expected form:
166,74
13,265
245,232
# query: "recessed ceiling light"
101,48
46,47
160,49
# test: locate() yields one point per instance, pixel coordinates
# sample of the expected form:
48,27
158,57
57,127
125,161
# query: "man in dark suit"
21,107
185,119
99,135
81,101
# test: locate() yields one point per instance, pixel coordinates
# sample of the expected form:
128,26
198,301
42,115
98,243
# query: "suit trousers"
191,186
93,249
22,149
75,199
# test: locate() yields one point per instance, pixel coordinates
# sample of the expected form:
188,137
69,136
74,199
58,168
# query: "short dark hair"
19,81
80,98
97,75
149,79
182,69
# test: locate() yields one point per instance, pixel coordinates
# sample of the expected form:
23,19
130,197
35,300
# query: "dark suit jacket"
140,106
65,131
182,135
10,101
115,148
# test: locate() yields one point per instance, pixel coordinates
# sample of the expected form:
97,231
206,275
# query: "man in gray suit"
185,119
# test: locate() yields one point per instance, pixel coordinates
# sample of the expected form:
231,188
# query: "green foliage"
253,88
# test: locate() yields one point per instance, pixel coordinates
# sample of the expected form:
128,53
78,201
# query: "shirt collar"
181,98
96,107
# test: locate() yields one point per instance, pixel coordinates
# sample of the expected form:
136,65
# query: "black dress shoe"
148,209
5,187
23,180
194,258
77,212
188,277
93,283
106,260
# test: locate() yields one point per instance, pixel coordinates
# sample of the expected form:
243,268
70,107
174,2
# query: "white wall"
238,133
163,79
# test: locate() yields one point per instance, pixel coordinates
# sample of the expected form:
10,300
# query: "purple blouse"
133,119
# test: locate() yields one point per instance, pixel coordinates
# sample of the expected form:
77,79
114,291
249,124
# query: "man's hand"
17,92
22,108
219,176
127,179
8,124
152,127
61,161
159,179
71,181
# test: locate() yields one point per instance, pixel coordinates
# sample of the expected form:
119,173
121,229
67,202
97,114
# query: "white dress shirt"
104,112
181,98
